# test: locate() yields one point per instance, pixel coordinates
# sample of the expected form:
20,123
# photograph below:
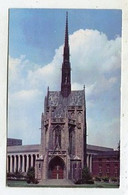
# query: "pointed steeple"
66,45
66,75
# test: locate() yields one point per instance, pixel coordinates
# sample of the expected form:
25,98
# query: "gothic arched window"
71,141
79,117
58,137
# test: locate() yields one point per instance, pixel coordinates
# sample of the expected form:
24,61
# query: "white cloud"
95,62
77,86
92,56
24,95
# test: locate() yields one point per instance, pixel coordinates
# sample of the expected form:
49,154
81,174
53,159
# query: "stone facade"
63,137
63,129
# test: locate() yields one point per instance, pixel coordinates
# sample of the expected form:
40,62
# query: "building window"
100,170
80,165
107,165
39,165
71,141
58,137
108,170
74,166
116,170
79,116
100,165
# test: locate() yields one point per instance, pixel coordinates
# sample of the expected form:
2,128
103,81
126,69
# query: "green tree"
86,176
118,148
31,175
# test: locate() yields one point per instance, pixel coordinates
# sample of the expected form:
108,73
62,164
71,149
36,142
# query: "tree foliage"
31,175
86,175
118,148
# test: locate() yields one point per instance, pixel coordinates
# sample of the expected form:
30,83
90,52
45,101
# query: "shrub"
90,182
31,176
10,175
97,178
105,179
114,179
36,181
86,175
80,181
16,175
28,181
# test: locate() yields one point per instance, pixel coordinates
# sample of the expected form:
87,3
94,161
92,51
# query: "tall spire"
66,76
66,46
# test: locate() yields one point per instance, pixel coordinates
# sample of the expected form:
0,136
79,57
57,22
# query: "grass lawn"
100,185
11,183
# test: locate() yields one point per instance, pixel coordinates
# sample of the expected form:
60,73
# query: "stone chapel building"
63,128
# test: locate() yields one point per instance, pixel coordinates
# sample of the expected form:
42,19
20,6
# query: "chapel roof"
75,98
55,99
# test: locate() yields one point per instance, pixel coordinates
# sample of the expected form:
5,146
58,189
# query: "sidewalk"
56,182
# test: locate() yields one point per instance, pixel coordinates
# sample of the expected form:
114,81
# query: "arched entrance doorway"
56,168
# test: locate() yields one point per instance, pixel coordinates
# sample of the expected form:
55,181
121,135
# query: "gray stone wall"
62,113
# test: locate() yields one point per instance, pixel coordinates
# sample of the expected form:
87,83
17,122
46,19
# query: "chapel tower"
63,128
66,70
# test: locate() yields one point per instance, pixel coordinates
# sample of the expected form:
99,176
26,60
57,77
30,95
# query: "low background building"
106,164
14,142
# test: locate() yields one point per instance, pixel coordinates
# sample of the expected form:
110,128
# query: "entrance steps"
56,182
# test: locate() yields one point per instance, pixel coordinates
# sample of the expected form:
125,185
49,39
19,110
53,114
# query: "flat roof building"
14,142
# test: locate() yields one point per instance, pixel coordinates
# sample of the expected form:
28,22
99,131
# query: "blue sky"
36,39
36,28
